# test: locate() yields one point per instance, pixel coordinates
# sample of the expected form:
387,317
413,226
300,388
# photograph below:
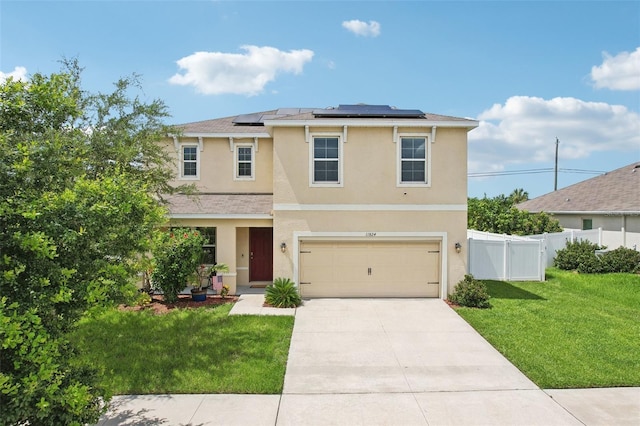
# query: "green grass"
572,331
187,351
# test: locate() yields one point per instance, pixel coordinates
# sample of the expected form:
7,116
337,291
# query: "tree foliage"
177,254
78,174
500,215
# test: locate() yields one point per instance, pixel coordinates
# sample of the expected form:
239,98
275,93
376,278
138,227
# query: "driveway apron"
402,361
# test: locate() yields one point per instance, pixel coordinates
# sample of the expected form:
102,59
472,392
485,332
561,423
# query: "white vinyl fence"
514,258
505,257
558,240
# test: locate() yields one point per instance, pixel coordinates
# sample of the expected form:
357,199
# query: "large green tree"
79,174
500,215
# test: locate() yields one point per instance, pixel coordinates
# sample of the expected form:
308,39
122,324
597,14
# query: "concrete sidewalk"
386,361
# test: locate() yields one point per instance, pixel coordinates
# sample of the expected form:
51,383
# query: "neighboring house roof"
207,205
255,124
615,191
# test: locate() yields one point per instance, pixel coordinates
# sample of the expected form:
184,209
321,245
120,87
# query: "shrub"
621,259
176,258
471,292
581,256
283,293
576,253
592,265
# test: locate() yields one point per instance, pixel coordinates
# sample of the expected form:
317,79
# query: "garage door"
369,269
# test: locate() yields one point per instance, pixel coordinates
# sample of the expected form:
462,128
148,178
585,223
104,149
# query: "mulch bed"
159,306
451,304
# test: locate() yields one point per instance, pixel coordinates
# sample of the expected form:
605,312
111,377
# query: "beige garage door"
369,269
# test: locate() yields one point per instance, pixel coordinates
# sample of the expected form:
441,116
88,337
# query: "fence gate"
507,260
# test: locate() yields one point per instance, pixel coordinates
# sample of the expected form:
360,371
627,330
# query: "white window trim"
399,182
236,161
340,182
198,150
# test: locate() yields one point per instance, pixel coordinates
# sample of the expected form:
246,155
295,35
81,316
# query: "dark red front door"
260,254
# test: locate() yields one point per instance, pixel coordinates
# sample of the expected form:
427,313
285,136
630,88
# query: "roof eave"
585,212
220,216
225,135
372,122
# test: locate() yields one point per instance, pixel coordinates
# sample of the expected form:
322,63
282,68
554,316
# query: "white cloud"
215,73
18,74
620,72
361,28
524,130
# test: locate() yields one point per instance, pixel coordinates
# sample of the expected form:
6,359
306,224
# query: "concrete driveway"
402,361
385,362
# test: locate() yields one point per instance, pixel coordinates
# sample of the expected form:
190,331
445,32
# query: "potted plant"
199,284
204,277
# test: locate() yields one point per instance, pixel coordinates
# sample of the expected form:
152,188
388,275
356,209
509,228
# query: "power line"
532,172
588,172
509,172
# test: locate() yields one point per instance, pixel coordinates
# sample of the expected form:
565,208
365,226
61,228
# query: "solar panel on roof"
368,111
254,119
257,119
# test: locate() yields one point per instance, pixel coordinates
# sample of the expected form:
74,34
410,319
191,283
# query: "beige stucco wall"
358,225
217,164
370,178
370,168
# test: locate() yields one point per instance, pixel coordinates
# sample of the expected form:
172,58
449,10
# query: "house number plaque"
370,234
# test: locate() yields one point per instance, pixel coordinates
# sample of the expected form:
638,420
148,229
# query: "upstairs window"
245,164
189,161
326,167
413,158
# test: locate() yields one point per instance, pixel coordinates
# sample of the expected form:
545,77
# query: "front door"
260,254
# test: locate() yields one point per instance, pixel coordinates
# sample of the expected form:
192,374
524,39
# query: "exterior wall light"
283,247
458,247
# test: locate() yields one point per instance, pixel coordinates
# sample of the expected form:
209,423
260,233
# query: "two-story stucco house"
351,201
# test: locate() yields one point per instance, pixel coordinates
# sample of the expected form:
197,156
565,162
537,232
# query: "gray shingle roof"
615,191
226,125
221,125
220,204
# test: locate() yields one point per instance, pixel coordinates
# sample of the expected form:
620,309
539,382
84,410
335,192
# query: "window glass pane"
325,148
325,171
244,154
244,169
209,234
413,148
190,169
413,171
209,255
189,153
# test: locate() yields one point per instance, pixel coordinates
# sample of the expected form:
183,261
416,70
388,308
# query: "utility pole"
555,183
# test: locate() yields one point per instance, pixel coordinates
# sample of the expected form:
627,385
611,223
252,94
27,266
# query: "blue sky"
528,71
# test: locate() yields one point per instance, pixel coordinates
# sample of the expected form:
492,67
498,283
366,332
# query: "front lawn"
572,331
187,351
